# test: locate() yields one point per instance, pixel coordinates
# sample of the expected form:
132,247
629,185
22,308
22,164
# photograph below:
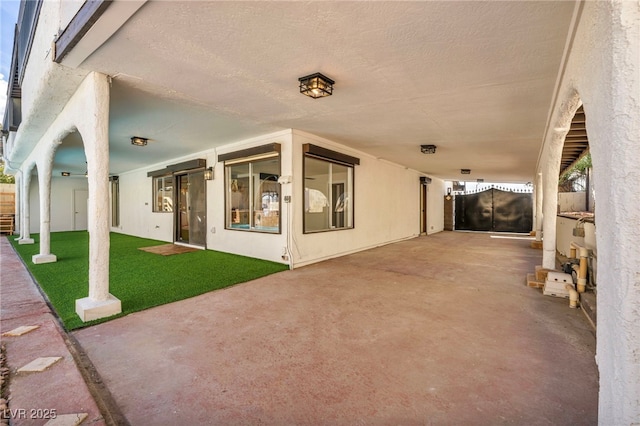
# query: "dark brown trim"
81,23
184,166
250,152
327,154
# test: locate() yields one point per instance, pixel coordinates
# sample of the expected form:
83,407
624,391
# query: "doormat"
168,249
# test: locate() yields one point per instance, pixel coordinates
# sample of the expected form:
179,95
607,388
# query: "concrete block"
67,419
89,309
541,273
39,364
19,331
555,284
43,258
532,282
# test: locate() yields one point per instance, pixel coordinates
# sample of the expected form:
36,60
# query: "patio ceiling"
476,79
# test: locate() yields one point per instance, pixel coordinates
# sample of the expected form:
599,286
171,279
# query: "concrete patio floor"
435,330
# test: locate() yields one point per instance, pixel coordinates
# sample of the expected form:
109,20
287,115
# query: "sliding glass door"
191,218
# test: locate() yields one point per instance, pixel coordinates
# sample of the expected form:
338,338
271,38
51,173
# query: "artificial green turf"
139,279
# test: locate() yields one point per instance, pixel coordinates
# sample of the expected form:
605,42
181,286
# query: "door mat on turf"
168,249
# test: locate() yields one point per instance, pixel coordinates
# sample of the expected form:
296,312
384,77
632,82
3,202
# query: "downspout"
582,269
573,296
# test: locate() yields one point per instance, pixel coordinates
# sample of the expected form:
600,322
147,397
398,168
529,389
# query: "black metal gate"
494,210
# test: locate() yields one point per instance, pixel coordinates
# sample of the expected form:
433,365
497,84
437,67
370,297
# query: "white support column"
18,206
25,236
93,125
44,188
614,138
550,209
539,185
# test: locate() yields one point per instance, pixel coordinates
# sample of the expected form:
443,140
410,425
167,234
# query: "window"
328,190
163,194
253,193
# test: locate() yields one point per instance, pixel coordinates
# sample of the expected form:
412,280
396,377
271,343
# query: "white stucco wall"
572,201
564,235
138,219
435,205
46,87
62,211
248,243
603,72
68,9
386,206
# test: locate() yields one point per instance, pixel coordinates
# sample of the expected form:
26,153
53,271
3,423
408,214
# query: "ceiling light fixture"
65,174
465,171
316,85
138,141
428,149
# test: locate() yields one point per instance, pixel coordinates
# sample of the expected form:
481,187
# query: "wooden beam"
88,15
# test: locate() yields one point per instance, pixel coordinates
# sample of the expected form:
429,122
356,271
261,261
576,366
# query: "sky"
8,18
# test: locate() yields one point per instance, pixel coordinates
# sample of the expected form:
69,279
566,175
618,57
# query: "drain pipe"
582,271
573,296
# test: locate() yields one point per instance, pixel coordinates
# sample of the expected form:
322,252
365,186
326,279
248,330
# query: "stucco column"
93,124
550,210
18,206
614,138
539,197
25,236
45,166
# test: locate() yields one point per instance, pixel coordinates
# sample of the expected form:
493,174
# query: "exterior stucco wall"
136,215
572,201
564,233
603,72
138,219
386,206
248,243
435,205
47,86
62,211
68,9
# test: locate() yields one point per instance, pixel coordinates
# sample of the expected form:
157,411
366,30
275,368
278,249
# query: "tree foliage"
574,178
5,178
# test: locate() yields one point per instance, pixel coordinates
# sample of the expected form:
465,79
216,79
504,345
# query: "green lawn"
139,279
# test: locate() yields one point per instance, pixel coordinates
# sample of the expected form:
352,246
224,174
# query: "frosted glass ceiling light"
316,85
138,141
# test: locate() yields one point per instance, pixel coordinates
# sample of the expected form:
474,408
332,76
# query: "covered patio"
436,330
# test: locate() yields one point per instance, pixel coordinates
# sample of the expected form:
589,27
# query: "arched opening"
575,168
575,227
69,174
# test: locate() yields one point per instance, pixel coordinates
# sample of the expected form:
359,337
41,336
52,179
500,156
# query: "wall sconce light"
428,149
448,191
465,171
65,174
316,85
138,141
208,174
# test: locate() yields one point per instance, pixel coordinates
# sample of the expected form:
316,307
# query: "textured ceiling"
474,78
